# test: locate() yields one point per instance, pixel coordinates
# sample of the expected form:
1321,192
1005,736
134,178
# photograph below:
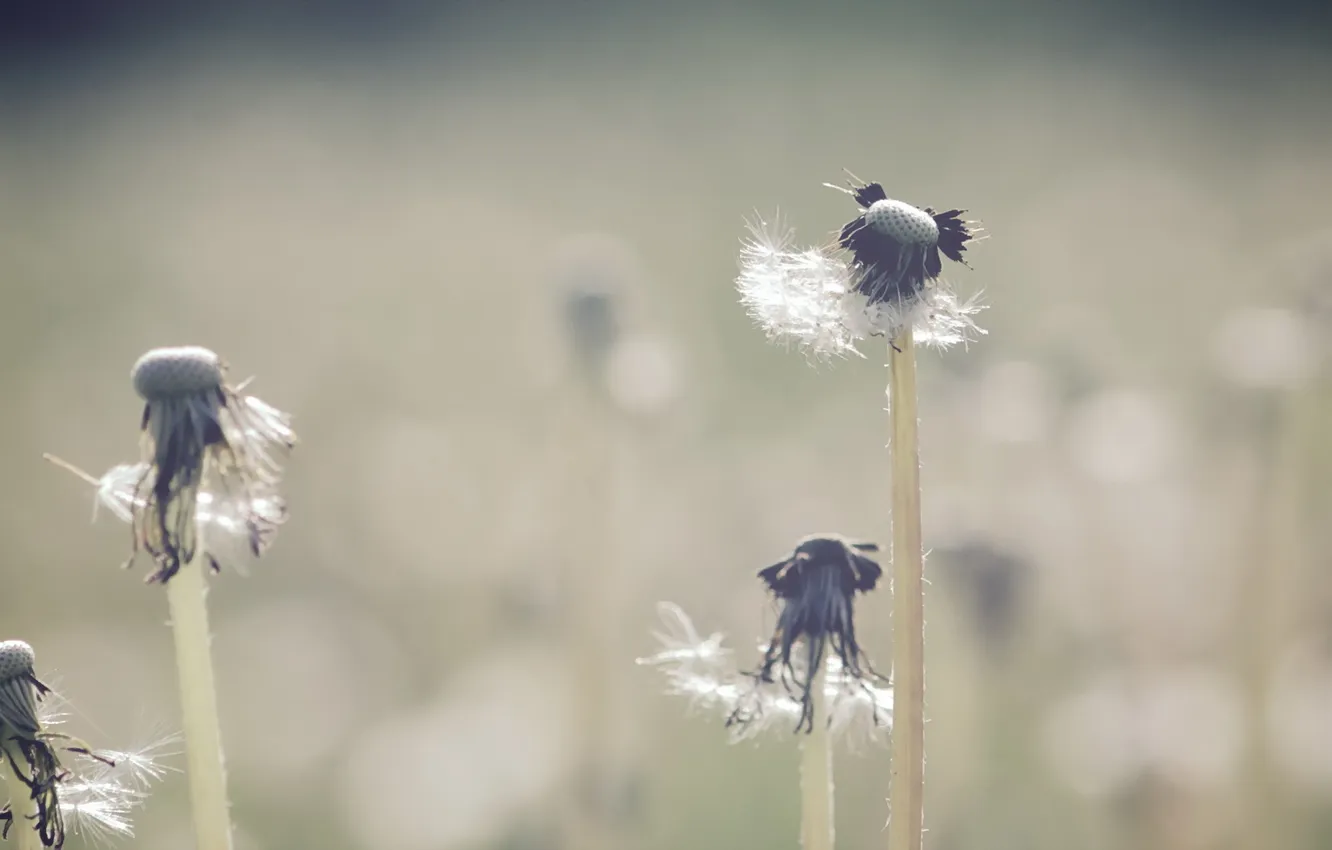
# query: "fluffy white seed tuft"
704,671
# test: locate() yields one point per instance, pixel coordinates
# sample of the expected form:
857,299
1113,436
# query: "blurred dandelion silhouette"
49,796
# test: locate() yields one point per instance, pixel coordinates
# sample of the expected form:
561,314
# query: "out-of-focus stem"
23,808
187,593
592,622
907,792
816,775
1269,576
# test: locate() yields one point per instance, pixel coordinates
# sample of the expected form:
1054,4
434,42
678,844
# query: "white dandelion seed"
703,670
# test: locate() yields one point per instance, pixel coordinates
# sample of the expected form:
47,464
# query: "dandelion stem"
23,808
187,593
907,792
1269,605
592,626
816,776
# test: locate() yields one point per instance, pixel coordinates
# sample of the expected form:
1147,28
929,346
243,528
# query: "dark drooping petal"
815,588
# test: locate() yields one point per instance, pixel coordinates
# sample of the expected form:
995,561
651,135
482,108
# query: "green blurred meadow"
1129,621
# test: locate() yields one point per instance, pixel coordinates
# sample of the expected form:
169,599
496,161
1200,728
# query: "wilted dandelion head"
590,317
200,432
888,280
815,587
93,795
895,247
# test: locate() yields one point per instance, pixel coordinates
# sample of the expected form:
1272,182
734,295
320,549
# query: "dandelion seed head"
907,224
16,659
811,299
19,690
168,372
195,426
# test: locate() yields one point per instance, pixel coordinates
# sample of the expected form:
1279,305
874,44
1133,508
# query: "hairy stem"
816,776
187,593
907,792
23,808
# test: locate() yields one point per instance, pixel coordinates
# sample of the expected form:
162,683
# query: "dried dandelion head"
895,247
199,432
815,587
885,278
93,795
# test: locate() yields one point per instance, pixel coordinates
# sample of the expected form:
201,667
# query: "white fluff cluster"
807,297
223,515
101,789
704,671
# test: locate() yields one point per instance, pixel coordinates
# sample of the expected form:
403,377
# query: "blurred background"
484,253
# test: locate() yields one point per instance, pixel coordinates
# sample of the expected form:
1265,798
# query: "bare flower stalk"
593,581
592,636
22,802
907,792
187,595
816,774
1269,605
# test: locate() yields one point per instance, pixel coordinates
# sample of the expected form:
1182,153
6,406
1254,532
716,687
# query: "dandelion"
93,794
824,303
882,278
194,423
813,670
895,247
208,478
815,586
